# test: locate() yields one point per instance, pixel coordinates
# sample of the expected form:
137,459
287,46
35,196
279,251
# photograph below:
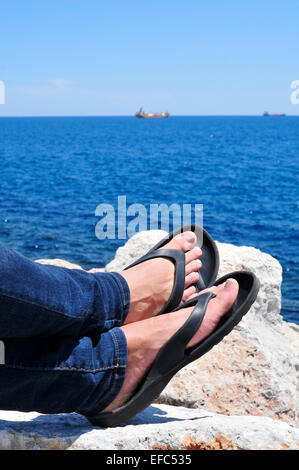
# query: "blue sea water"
244,170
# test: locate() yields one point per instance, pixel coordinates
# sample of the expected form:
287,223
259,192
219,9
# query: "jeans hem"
125,294
119,373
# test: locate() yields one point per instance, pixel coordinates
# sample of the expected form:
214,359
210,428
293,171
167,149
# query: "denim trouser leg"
45,300
64,350
63,374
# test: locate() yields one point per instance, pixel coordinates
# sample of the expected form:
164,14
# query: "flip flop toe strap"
179,277
174,351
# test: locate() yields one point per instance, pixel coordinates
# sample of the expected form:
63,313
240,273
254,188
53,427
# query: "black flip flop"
173,356
209,258
207,273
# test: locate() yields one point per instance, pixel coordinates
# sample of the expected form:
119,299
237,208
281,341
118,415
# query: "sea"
56,172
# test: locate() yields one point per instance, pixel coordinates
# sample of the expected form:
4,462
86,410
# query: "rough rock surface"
66,264
59,262
135,247
159,427
242,394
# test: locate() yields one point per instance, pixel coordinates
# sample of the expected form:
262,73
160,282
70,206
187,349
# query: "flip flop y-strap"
178,257
174,352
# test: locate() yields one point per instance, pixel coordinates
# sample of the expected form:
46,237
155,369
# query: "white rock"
159,427
59,262
135,247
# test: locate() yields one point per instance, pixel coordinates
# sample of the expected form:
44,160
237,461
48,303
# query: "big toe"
183,241
226,295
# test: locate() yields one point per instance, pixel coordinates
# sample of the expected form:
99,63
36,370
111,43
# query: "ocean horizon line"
133,116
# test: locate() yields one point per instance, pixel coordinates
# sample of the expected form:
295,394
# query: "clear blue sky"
94,57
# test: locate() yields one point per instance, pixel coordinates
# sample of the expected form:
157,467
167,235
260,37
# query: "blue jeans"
64,350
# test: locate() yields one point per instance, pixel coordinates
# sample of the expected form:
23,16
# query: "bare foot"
150,283
145,338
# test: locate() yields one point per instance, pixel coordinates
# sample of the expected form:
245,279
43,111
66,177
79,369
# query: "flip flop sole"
148,391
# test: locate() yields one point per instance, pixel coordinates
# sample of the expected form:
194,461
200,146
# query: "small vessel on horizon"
142,114
273,115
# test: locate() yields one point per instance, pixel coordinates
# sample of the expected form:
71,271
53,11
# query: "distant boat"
273,115
142,114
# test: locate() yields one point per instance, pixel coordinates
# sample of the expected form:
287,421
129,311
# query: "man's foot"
145,338
150,283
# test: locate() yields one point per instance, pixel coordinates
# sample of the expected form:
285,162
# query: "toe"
194,266
215,289
184,241
191,278
217,307
189,293
193,254
227,295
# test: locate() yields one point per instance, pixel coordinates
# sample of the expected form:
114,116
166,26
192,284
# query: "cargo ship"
142,114
272,115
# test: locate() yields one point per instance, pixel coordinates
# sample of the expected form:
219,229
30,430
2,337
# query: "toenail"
228,284
190,237
188,245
